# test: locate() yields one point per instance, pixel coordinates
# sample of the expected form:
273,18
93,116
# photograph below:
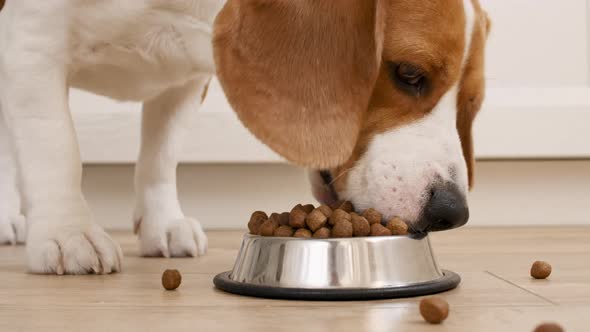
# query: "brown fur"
433,38
311,80
1,4
299,74
472,89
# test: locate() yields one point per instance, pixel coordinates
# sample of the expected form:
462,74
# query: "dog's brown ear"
300,73
472,93
1,4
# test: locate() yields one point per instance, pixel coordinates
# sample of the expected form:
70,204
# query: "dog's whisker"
343,173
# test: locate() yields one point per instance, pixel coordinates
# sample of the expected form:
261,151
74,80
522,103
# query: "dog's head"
379,94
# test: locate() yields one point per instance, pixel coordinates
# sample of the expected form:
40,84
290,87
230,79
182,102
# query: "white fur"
395,174
157,51
400,166
162,226
12,222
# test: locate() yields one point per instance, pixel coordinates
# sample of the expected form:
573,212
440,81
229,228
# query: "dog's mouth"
323,187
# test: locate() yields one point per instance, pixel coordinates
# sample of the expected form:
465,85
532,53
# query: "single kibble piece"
297,218
171,279
275,216
379,230
322,233
298,206
397,226
336,205
343,205
360,225
540,270
338,215
342,229
373,216
316,220
284,219
303,232
256,221
283,231
548,327
326,210
268,227
434,309
308,208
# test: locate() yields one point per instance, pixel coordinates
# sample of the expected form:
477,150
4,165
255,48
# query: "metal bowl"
336,269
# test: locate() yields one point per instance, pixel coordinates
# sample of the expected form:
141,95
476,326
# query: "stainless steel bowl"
336,269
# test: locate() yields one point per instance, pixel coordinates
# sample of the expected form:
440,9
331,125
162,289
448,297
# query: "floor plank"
496,293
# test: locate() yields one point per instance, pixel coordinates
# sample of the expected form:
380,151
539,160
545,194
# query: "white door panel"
538,103
538,43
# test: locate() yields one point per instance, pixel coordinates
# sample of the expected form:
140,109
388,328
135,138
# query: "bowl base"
449,281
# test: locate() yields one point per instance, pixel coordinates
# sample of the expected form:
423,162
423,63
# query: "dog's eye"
409,78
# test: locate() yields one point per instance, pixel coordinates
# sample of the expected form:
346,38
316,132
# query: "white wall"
538,106
538,103
538,43
223,196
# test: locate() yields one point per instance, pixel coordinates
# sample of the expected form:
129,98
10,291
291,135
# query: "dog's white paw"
12,229
72,249
170,238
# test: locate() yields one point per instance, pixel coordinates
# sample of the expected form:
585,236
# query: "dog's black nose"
446,209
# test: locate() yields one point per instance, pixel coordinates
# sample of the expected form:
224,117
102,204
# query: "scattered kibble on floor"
548,327
171,279
434,309
540,270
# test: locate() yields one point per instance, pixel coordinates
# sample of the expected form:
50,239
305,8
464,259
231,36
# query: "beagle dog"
375,97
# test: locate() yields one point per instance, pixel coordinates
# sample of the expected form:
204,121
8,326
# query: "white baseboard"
507,193
514,123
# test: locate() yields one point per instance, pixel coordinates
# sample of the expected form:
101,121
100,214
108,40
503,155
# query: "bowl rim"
448,281
334,239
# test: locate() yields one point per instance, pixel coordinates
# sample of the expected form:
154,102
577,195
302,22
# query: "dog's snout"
446,209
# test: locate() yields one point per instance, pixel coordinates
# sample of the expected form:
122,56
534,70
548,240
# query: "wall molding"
515,123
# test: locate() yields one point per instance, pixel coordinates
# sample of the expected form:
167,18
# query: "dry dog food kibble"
548,327
307,208
343,205
397,226
276,217
298,206
171,279
434,309
342,228
268,227
379,230
284,219
316,220
338,221
360,225
372,216
338,215
326,210
297,218
540,270
283,231
256,221
322,233
303,232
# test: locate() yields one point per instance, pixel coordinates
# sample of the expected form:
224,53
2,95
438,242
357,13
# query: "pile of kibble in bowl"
337,221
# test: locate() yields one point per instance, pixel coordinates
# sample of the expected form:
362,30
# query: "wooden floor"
496,294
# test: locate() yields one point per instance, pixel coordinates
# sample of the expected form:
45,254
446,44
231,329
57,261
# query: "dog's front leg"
162,227
12,222
62,238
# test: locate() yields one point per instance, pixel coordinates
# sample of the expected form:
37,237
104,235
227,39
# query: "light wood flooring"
496,293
